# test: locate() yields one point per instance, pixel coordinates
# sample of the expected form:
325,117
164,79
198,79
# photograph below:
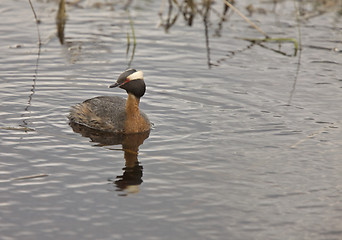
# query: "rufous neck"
132,105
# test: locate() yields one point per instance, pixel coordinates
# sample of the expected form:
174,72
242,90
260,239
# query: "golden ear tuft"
136,76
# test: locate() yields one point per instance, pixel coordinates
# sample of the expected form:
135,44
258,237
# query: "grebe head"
132,81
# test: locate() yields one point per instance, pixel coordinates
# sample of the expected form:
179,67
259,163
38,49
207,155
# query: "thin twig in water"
245,18
31,177
25,129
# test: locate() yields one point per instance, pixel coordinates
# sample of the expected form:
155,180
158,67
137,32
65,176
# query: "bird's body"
113,113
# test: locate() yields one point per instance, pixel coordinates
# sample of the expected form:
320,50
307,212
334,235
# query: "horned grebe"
114,113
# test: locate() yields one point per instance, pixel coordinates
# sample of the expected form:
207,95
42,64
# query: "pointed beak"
114,85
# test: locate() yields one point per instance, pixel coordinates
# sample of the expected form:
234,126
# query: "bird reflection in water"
131,178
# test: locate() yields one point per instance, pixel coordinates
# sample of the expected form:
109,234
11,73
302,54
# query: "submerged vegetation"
171,10
212,13
190,9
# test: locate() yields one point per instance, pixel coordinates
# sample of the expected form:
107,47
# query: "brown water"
240,150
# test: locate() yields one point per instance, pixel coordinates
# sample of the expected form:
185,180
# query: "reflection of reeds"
129,43
318,7
293,89
275,40
60,21
206,31
189,9
37,21
35,76
170,19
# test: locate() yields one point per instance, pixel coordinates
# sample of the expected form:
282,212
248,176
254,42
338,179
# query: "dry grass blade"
24,129
245,18
31,177
317,133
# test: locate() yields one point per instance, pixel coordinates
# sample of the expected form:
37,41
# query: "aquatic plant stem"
132,29
37,21
245,18
206,32
60,21
299,55
35,76
129,42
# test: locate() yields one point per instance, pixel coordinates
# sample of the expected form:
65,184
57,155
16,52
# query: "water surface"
240,148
